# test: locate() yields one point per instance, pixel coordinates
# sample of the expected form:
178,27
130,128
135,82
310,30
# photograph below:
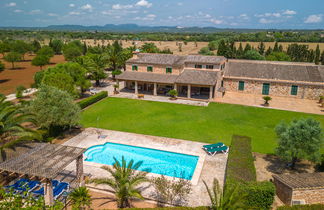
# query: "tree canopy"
12,57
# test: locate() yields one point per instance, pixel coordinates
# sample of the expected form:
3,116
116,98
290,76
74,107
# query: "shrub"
19,91
260,194
92,99
240,165
266,99
173,93
174,208
302,207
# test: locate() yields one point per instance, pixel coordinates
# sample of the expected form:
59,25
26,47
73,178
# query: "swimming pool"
154,161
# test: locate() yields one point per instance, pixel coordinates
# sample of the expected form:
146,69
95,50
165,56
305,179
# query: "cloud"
289,12
147,17
71,5
314,19
87,7
144,3
52,14
265,21
11,4
18,11
35,11
244,17
120,6
74,13
180,4
216,21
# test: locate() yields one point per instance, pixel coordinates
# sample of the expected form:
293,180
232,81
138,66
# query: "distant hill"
134,28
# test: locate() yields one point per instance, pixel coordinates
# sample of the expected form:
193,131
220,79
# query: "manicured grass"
217,122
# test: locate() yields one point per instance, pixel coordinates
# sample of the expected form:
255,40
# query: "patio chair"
30,186
210,146
17,184
214,151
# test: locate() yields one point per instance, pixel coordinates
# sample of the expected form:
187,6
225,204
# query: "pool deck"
208,167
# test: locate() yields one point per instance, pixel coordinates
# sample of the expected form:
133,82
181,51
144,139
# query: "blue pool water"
154,161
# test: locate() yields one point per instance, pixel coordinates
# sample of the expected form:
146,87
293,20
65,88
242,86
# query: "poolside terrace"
208,167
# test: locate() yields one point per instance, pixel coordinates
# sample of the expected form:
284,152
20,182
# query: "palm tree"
125,181
12,130
80,198
231,199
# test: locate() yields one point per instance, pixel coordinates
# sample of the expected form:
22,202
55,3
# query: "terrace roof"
302,181
198,77
42,160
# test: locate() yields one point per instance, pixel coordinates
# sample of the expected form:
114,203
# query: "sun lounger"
210,146
17,184
30,186
213,151
41,190
61,187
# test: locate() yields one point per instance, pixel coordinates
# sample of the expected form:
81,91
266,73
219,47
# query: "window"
294,90
150,69
265,89
222,66
198,66
209,66
134,68
241,85
168,70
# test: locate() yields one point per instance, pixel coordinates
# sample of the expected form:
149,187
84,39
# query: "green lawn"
217,122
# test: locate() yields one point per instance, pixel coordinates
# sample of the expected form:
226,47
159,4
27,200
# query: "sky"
263,14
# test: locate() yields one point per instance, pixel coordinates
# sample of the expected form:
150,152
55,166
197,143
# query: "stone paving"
282,103
208,167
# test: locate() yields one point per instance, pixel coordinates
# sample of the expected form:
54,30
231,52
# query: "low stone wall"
276,89
283,192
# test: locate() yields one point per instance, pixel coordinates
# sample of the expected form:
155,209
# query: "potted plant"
116,86
173,93
266,100
321,99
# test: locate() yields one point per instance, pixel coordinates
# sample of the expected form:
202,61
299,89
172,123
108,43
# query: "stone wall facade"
159,69
310,196
276,88
283,192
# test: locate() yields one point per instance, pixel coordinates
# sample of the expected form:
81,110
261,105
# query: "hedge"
240,162
174,208
92,99
241,172
302,207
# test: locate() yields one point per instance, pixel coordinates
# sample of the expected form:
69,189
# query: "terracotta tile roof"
302,181
285,71
174,60
147,77
198,77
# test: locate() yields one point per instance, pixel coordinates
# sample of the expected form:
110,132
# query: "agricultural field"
23,74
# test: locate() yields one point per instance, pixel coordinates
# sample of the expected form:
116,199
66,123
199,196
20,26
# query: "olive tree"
54,110
40,60
299,139
12,57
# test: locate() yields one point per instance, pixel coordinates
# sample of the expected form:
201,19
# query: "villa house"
193,75
208,77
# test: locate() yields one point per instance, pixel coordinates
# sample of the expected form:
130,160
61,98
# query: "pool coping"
195,177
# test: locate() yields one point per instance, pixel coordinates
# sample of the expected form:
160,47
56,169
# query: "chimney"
135,54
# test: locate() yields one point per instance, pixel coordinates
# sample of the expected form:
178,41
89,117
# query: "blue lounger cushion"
220,144
17,184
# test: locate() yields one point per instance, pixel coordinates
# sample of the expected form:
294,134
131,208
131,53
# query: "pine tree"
311,56
317,55
247,48
222,48
322,58
84,48
269,51
280,48
240,52
261,48
276,47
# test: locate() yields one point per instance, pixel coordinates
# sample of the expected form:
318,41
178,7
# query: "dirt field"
23,74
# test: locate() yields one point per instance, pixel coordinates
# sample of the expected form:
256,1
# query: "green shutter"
241,85
134,68
294,90
149,68
168,70
265,89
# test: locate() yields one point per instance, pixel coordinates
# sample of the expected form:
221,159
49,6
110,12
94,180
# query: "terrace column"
117,83
210,92
189,91
136,88
79,170
48,193
175,86
155,89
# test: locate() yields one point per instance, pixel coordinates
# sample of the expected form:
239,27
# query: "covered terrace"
45,162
